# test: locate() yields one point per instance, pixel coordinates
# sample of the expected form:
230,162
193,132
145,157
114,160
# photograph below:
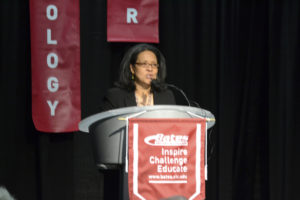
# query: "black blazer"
118,98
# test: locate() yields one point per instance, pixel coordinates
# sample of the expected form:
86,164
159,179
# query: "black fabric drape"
238,59
284,98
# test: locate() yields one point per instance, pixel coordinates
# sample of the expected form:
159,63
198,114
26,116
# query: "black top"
118,98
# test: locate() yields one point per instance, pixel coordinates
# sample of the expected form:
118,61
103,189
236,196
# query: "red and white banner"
166,158
132,21
55,65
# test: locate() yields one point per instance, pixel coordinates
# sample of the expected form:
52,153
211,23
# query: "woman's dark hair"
125,79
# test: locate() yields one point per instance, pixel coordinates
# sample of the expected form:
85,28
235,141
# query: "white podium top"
157,111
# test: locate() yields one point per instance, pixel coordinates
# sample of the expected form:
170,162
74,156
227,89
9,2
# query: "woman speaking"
141,81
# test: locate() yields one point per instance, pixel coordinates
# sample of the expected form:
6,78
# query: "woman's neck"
142,90
143,96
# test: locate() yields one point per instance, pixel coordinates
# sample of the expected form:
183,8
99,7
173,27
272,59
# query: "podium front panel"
108,129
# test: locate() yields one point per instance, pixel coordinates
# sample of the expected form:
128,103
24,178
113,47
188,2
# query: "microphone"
181,91
156,83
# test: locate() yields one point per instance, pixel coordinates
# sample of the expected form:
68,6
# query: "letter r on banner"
131,15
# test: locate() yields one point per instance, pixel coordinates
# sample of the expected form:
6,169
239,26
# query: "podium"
108,129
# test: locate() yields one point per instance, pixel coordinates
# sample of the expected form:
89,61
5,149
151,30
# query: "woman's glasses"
146,65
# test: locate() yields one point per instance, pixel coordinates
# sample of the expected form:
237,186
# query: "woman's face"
145,68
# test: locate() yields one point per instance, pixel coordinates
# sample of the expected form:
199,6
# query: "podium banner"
132,21
55,65
166,158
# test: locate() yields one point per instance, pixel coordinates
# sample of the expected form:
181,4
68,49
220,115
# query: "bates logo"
167,140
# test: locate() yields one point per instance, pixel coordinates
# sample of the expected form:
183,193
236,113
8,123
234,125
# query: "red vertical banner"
132,21
55,65
166,158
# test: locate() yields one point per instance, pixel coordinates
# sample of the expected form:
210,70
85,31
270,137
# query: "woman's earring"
132,76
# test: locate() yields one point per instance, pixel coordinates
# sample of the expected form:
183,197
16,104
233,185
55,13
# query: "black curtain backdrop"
238,59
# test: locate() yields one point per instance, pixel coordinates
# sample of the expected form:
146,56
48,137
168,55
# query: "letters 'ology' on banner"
132,21
55,65
166,158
